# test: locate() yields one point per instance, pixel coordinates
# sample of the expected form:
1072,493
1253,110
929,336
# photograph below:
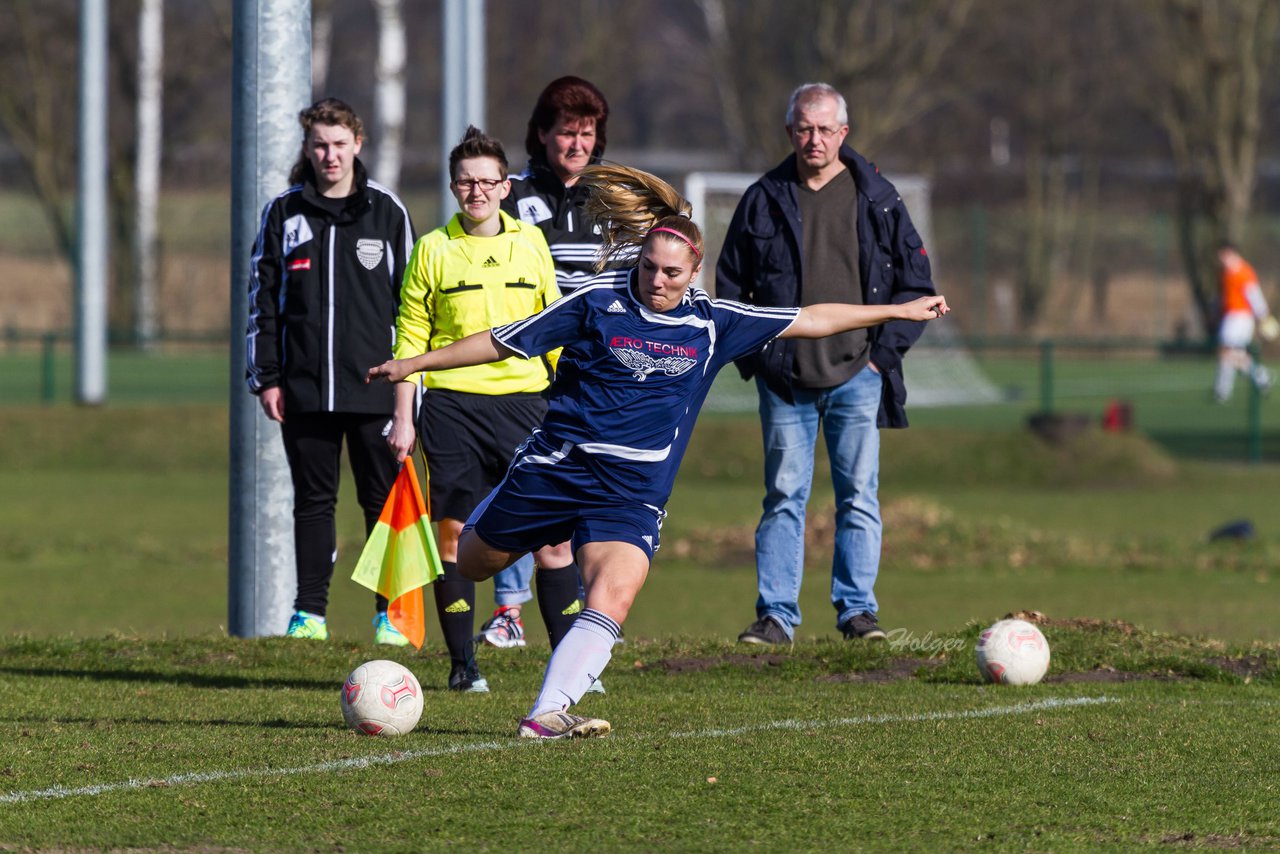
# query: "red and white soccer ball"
381,698
1013,652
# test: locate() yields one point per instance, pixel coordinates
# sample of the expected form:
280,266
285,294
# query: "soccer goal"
939,370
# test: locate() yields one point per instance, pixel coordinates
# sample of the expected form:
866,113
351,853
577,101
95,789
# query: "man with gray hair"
823,226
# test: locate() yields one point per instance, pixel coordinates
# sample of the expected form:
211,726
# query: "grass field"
131,722
204,745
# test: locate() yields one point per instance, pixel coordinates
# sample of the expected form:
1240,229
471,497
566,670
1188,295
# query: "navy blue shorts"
468,440
551,495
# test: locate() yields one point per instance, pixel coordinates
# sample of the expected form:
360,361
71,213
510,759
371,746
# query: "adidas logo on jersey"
616,307
459,607
490,262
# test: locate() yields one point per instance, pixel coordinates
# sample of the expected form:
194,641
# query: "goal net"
939,370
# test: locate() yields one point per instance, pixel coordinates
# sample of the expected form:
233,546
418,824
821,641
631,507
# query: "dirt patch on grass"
1108,674
1214,840
1247,667
902,668
700,665
1086,623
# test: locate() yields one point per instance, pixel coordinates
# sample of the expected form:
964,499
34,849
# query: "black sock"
456,608
558,600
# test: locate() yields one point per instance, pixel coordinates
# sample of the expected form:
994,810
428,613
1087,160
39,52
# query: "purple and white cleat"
562,725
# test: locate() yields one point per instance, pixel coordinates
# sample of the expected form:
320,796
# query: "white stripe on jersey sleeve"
638,455
518,325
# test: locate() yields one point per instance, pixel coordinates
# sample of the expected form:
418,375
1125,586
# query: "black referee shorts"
469,440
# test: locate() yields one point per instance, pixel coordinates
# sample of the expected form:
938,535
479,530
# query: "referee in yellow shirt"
482,269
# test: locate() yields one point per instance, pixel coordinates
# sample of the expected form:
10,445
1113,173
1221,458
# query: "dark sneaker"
863,626
765,630
467,678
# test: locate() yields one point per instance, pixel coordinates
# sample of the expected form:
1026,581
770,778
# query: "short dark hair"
326,111
476,143
571,97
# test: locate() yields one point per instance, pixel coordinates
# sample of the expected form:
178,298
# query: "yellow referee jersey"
457,284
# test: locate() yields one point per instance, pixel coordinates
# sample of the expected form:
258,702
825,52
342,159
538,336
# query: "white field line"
59,792
1020,708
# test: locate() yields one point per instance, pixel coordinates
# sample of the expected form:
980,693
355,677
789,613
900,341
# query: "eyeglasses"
486,185
803,131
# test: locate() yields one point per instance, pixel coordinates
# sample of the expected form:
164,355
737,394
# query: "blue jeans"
847,414
512,585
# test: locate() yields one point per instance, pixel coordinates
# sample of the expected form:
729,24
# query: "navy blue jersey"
631,381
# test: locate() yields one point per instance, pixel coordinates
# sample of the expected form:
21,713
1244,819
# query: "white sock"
577,661
1225,380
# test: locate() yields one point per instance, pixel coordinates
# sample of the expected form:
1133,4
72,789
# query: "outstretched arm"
819,321
479,348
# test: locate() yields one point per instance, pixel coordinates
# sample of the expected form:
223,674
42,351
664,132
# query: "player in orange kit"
1242,303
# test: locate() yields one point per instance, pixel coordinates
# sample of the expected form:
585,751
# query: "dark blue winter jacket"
760,264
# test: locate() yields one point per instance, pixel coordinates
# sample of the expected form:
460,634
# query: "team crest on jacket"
673,360
369,251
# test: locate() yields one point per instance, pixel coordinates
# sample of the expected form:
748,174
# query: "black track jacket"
324,291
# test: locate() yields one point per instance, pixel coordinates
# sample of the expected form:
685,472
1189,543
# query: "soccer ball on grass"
381,698
1013,652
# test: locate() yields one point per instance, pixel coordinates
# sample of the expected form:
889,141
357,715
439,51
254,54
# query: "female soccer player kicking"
639,358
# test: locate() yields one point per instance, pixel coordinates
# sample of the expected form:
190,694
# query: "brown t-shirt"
828,219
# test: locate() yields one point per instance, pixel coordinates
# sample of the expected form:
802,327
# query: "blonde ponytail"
628,204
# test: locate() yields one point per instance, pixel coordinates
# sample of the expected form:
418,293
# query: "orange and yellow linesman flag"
400,555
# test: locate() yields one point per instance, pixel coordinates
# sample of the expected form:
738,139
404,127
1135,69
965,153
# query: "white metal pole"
271,83
147,170
91,211
463,76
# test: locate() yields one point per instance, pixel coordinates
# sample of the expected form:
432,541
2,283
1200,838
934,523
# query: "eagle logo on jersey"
642,364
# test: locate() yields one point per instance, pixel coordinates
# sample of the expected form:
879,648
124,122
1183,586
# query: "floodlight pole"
271,83
462,73
91,208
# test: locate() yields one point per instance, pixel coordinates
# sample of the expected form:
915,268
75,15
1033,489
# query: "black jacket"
540,198
324,291
760,264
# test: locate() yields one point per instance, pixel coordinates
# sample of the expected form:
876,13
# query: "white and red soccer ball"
381,698
1012,652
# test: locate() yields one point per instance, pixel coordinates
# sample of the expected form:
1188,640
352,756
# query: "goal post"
940,370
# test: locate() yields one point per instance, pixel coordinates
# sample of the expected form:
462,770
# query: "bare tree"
722,57
1046,71
321,45
886,58
147,177
36,39
389,94
1210,60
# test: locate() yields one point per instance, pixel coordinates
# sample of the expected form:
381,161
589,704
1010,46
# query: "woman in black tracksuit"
324,293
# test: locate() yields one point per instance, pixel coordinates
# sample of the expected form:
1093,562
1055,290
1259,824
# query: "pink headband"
679,235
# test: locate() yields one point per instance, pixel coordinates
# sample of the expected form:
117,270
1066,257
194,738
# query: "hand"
272,402
1269,328
926,308
392,371
400,437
